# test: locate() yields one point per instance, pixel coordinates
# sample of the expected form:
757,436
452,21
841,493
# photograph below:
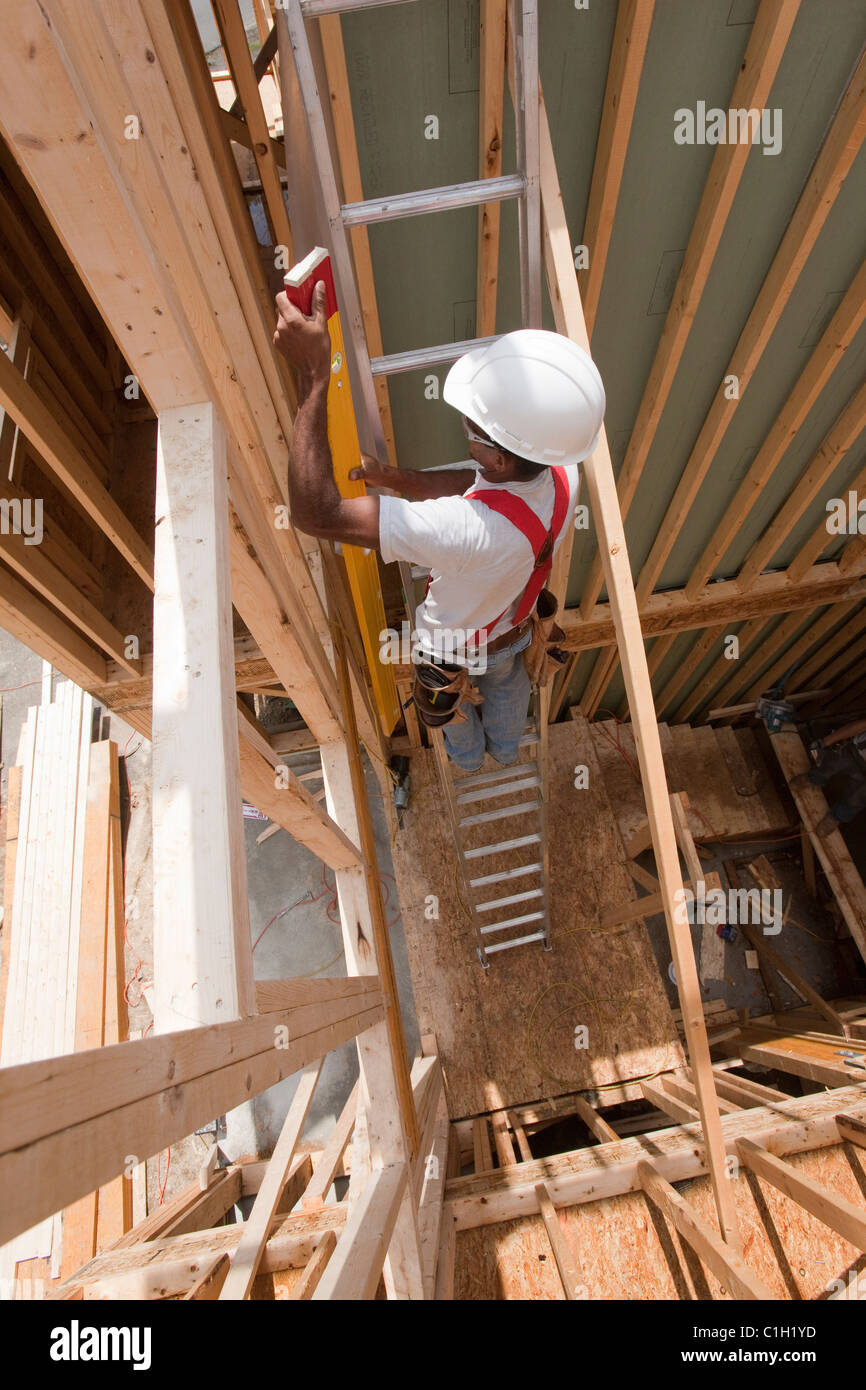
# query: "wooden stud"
247,1256
311,1277
630,38
567,1263
725,1264
831,1208
757,72
355,1267
490,105
332,1155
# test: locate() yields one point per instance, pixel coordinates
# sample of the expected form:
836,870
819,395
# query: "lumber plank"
311,1277
831,850
490,104
567,1263
724,1263
201,937
41,628
280,795
630,38
852,1128
354,1268
34,419
102,1134
600,1171
247,1256
331,1156
208,1285
831,1208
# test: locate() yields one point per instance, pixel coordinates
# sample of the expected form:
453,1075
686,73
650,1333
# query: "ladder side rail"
296,57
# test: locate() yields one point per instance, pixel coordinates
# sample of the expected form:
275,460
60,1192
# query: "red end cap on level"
301,280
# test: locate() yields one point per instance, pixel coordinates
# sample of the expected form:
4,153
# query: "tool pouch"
543,658
438,693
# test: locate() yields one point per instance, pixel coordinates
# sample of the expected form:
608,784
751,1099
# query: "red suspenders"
515,510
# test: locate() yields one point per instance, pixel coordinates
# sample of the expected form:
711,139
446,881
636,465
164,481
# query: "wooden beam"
312,1275
842,1216
724,1263
280,795
823,186
817,473
432,1192
36,569
154,1268
238,131
248,1252
490,105
41,628
139,1097
832,851
71,469
246,84
673,611
630,38
679,1110
209,1283
609,1170
567,1262
612,545
852,1129
755,77
202,954
332,1155
355,1267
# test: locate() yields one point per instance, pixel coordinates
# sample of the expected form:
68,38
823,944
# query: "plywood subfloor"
722,770
629,1251
507,1036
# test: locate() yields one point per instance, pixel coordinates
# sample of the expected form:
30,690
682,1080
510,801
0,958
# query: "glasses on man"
473,436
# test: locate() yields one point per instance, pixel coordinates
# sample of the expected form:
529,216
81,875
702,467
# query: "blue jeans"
506,689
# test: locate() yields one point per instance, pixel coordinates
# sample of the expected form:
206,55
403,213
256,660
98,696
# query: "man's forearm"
419,485
313,494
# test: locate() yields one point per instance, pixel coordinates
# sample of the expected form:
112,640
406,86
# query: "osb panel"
507,1035
627,1250
695,762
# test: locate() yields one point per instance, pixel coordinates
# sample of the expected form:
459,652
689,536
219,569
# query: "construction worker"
532,405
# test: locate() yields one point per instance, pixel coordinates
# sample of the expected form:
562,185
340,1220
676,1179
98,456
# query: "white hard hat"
537,394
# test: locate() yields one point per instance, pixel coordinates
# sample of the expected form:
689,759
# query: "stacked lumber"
63,933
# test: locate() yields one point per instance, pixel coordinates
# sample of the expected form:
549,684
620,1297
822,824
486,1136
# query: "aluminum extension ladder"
319,216
334,218
464,796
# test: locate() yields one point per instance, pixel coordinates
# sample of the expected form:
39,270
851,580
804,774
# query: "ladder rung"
501,813
518,941
501,847
516,770
504,875
451,195
311,9
482,793
492,905
425,357
514,922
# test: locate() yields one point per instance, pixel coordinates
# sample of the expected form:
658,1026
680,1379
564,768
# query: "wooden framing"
203,967
764,52
164,225
631,35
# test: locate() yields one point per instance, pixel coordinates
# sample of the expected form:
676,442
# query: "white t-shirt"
480,562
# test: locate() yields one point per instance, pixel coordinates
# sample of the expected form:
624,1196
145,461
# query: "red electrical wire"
635,771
